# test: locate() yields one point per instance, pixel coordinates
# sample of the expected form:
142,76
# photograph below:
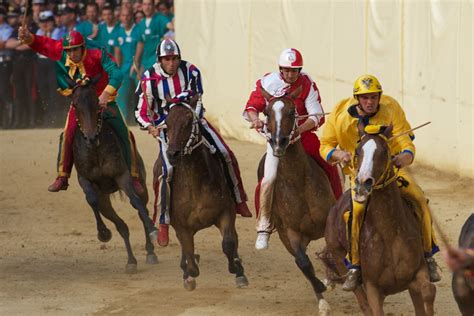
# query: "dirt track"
52,263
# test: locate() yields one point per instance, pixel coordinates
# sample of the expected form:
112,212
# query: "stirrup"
433,269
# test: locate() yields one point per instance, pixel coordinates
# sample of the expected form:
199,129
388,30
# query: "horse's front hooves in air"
324,308
131,268
241,281
190,284
151,259
104,235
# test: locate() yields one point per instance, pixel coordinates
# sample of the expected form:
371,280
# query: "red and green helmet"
72,39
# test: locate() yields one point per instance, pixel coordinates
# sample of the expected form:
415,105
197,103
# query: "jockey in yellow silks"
338,143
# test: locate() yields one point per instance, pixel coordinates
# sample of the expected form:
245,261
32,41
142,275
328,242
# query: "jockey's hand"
153,130
257,124
402,159
24,35
342,157
104,99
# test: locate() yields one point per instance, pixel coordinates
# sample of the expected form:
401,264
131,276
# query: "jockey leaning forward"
172,78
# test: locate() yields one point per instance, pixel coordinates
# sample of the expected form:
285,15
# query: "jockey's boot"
138,186
243,209
433,269
163,231
262,240
352,280
61,183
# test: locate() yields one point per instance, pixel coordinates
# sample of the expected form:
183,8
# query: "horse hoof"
151,259
190,284
324,308
104,235
131,268
241,281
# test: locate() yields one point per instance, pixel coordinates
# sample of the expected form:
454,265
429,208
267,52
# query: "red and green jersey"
95,61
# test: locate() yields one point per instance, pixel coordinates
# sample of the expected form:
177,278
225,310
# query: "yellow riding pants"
424,215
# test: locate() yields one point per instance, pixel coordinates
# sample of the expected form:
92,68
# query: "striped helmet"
168,47
291,58
72,39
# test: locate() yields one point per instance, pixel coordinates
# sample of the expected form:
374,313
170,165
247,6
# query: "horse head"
183,130
372,161
86,106
281,120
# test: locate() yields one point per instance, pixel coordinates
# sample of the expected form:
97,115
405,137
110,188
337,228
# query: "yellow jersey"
341,129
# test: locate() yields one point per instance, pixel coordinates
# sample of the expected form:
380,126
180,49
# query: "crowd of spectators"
129,29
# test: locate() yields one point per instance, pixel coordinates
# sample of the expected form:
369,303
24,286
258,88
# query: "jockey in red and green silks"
77,59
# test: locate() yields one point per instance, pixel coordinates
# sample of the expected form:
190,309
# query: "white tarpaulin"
421,51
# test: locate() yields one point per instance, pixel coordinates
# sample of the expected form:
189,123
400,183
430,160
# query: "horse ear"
293,95
266,95
388,131
361,128
194,101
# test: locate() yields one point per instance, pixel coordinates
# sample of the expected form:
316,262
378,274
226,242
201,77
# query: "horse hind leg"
230,243
108,211
422,293
151,257
375,299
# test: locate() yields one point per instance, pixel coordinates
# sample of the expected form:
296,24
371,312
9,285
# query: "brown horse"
295,191
463,285
391,249
200,196
102,170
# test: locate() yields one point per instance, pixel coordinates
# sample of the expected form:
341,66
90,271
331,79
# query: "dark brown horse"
463,285
102,170
295,192
200,196
391,249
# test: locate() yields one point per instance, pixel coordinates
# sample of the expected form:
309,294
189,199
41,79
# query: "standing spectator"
37,6
152,28
52,104
24,67
108,29
138,17
165,9
101,4
6,89
126,45
90,26
69,19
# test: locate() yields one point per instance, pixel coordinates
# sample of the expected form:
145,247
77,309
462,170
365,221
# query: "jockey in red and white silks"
173,78
288,79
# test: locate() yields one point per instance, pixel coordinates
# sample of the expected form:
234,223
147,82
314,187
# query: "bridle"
82,83
195,138
384,180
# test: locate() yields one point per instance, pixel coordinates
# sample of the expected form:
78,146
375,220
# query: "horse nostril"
369,183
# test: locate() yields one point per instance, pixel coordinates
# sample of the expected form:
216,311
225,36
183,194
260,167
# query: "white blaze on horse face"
277,107
365,170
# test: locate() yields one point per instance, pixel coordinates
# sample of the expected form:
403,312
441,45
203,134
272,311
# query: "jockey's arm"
254,106
115,78
252,117
403,143
53,49
308,125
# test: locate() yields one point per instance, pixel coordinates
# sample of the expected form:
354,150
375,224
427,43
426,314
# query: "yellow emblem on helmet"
367,84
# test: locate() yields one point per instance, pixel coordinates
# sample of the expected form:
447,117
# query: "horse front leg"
124,182
188,263
92,197
422,293
230,244
375,298
297,247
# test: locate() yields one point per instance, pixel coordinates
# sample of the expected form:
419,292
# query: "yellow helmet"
367,84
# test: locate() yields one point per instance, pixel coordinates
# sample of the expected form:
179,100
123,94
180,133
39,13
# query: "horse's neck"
199,165
294,162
